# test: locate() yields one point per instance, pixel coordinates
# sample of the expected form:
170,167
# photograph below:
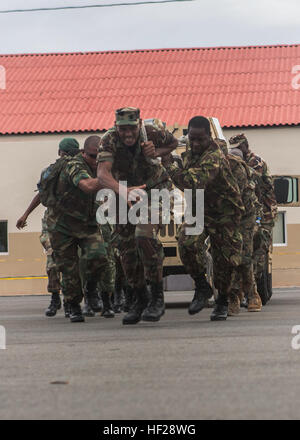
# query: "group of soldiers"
120,267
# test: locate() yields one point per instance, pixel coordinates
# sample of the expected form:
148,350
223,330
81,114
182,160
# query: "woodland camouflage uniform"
244,280
53,273
72,224
263,237
140,249
223,210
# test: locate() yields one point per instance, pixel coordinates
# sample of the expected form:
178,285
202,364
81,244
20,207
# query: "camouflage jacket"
130,164
79,207
267,194
210,171
246,180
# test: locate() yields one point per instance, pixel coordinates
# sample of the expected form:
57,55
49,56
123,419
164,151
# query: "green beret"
69,144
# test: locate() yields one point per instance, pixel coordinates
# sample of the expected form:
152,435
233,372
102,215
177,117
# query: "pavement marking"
23,278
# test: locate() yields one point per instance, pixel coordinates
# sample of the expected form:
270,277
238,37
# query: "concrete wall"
23,157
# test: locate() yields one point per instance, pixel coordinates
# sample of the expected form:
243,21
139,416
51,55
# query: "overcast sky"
182,24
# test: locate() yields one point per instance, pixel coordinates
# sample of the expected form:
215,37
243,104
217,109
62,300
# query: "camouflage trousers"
121,282
141,253
107,284
93,256
226,246
54,284
244,280
140,249
261,245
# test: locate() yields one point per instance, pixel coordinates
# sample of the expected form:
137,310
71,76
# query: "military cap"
238,140
127,116
68,144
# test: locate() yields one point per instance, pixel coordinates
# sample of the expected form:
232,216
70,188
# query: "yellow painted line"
20,259
285,253
23,278
2,261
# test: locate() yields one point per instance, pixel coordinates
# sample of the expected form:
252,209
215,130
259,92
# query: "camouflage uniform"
266,195
140,249
223,209
244,280
107,283
74,225
54,285
263,237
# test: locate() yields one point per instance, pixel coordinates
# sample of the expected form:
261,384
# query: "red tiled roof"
241,86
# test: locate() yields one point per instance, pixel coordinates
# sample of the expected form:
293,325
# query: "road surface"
182,367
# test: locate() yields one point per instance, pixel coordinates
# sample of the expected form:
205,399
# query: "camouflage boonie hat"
127,116
238,140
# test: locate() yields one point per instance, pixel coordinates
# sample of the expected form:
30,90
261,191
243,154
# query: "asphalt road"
179,368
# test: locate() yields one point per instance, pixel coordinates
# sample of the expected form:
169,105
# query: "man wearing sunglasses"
73,225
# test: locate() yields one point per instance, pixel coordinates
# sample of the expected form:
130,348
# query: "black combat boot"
203,292
128,292
86,309
107,311
67,309
76,313
220,311
92,295
262,288
118,300
156,307
139,303
55,304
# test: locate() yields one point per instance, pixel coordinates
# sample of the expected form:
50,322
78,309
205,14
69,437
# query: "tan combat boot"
254,303
233,305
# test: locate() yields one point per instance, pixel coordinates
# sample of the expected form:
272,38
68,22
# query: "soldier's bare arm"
21,223
107,180
105,176
89,185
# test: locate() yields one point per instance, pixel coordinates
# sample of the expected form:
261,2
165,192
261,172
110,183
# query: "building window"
279,230
289,184
3,237
293,189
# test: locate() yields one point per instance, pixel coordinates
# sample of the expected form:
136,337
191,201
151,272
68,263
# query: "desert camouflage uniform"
223,210
75,226
54,284
140,249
